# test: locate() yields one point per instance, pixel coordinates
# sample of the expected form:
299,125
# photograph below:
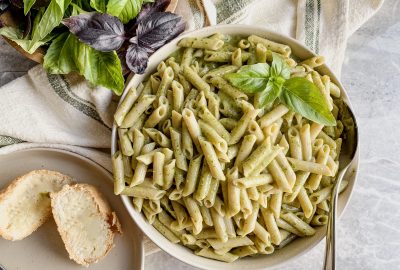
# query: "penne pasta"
220,167
125,105
192,126
308,166
118,170
204,183
181,162
137,110
212,160
228,89
192,176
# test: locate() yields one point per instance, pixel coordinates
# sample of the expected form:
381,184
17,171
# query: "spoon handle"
330,247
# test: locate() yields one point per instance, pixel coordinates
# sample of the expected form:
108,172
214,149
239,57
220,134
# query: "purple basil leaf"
150,8
122,58
178,29
134,40
136,58
147,9
158,28
100,31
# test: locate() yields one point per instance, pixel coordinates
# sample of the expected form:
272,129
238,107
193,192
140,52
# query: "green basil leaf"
250,78
279,67
51,18
263,96
28,5
125,10
59,58
16,35
303,97
11,32
271,92
101,68
84,5
67,54
76,10
36,20
99,5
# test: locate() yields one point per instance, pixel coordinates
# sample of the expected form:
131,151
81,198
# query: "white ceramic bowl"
279,257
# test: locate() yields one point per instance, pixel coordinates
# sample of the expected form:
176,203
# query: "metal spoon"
347,155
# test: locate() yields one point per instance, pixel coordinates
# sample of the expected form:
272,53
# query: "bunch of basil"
274,82
100,39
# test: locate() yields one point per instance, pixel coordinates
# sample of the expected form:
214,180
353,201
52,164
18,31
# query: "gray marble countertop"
369,231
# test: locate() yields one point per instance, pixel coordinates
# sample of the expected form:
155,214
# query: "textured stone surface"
369,232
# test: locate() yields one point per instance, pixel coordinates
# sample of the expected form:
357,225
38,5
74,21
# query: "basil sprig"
272,82
102,40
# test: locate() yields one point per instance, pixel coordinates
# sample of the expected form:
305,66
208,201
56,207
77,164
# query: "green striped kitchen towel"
41,110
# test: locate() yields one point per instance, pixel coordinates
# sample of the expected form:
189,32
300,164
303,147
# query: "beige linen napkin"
65,112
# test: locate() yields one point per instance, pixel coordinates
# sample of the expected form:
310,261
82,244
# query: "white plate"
279,257
44,249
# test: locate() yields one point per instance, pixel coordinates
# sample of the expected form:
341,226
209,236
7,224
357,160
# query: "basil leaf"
152,32
101,68
11,32
250,78
27,25
100,31
76,10
16,35
122,59
84,5
303,97
263,97
28,5
51,19
67,54
136,58
157,29
271,92
125,10
151,7
279,67
148,9
60,56
36,20
99,5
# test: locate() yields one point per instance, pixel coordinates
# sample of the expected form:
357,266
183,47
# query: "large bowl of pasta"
226,149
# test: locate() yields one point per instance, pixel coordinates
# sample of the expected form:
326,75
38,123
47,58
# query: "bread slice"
25,203
85,222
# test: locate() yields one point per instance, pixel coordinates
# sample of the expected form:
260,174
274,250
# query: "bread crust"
8,191
103,209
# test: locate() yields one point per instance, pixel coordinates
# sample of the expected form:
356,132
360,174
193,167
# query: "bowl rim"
138,218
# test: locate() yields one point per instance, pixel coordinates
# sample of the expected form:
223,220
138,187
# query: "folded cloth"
42,110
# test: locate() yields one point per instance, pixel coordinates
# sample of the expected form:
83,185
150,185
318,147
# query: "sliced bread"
25,203
85,222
